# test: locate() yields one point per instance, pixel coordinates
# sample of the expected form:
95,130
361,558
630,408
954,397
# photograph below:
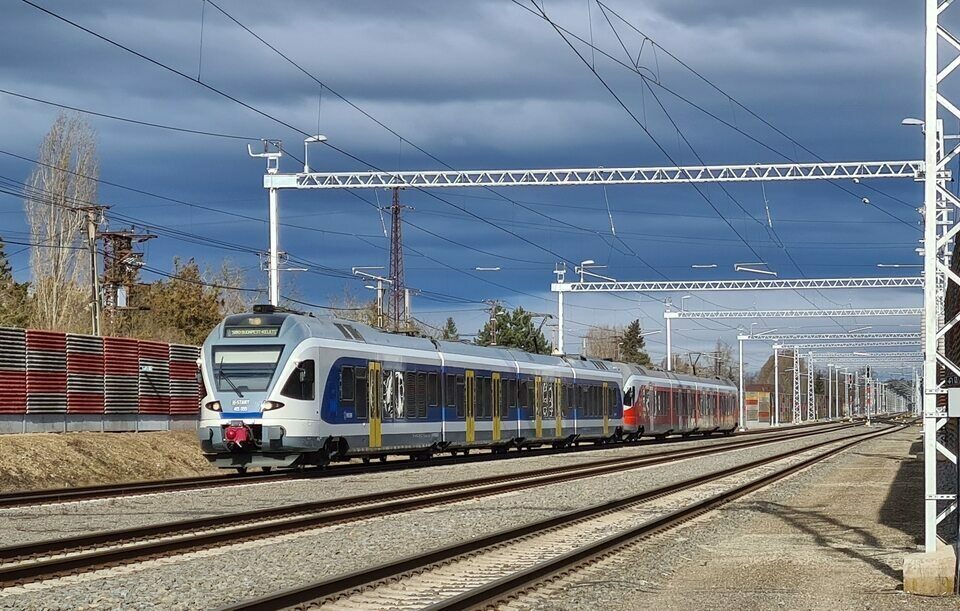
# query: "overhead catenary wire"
222,93
626,108
279,121
401,138
198,132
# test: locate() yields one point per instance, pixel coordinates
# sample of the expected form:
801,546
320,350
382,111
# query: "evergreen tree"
514,330
15,305
633,346
450,332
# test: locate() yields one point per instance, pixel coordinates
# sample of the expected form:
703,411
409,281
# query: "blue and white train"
284,389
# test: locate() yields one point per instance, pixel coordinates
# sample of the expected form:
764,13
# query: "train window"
483,398
522,394
300,383
433,389
360,398
451,389
490,398
346,385
531,394
421,395
504,397
512,392
458,396
409,394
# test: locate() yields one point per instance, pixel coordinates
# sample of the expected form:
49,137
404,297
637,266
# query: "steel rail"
526,579
32,561
361,580
104,491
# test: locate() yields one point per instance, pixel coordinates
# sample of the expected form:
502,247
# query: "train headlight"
266,406
214,406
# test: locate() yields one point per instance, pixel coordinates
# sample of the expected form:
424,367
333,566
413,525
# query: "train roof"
652,372
330,327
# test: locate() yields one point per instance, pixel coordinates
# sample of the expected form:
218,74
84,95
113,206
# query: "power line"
402,139
126,119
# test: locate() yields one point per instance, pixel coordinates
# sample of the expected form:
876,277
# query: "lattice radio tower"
396,304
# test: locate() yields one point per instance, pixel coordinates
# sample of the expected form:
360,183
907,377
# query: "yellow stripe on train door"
496,399
470,402
374,402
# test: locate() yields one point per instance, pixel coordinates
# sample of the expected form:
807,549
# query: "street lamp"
704,266
683,304
899,265
585,266
753,269
306,150
362,273
486,269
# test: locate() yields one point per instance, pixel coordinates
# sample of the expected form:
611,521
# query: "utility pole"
94,216
776,384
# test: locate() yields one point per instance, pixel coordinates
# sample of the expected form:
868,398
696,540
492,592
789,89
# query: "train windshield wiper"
222,374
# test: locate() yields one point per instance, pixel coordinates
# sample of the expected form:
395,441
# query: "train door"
717,417
606,409
374,402
470,404
538,406
496,400
696,406
558,407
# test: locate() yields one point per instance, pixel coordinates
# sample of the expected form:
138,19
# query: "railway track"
86,493
501,566
47,559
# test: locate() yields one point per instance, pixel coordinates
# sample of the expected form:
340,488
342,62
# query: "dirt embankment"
63,460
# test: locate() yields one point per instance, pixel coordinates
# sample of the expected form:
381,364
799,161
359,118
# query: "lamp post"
362,273
306,150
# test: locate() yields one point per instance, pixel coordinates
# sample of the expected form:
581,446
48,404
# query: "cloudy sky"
490,84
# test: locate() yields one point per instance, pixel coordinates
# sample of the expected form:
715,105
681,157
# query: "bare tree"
603,342
60,188
349,306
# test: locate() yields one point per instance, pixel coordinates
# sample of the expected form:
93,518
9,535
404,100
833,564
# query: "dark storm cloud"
487,84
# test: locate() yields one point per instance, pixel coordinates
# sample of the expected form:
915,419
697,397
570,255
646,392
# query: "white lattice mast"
811,397
939,231
797,413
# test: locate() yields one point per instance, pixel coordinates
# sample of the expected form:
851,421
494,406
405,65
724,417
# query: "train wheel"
383,458
241,470
366,460
266,469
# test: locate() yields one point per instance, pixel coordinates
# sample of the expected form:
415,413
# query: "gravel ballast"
214,578
29,524
831,537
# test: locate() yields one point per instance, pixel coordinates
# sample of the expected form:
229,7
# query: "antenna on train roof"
267,308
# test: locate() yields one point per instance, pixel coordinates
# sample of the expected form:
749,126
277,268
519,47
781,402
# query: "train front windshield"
244,368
